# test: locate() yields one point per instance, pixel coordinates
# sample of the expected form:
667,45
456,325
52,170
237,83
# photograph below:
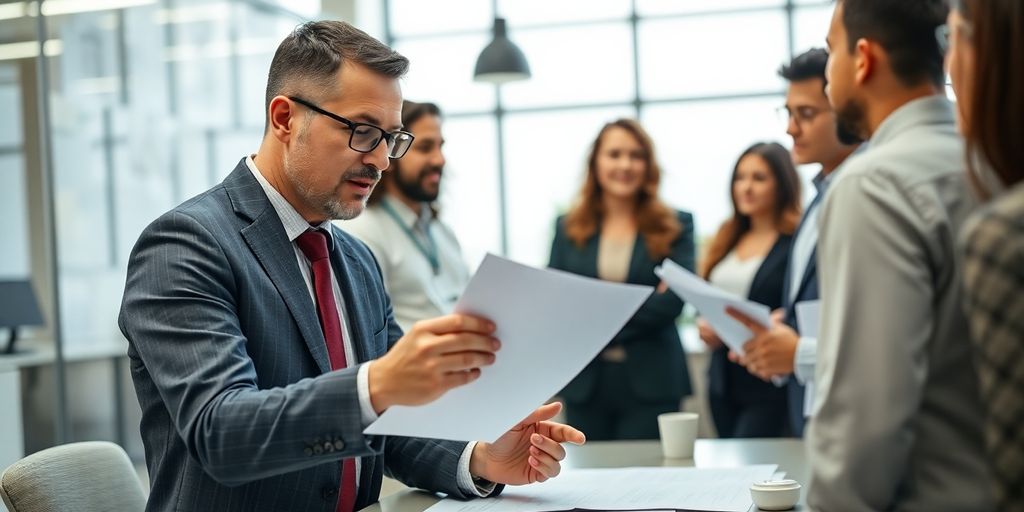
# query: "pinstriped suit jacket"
240,410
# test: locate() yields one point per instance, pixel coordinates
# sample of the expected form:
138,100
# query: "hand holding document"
712,302
719,490
550,323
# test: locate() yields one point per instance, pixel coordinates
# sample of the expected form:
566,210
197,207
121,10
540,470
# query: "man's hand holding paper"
529,452
712,302
550,323
769,352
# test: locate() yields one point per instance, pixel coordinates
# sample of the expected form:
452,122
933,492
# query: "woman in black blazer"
619,230
748,257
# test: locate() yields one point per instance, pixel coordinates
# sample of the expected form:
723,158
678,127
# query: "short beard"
850,123
413,188
328,202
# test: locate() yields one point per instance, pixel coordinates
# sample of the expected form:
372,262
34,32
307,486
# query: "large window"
700,75
149,105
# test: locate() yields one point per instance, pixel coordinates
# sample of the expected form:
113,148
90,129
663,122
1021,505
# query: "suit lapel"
637,260
590,255
352,280
809,271
267,240
769,261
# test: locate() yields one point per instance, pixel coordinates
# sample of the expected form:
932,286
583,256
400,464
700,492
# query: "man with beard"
419,256
898,418
783,349
261,338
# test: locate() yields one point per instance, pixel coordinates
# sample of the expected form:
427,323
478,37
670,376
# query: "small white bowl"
775,494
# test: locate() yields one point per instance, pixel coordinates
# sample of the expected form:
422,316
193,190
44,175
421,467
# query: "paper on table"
711,302
718,490
550,323
808,317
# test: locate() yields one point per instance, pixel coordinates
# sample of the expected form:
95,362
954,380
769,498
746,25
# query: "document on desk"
550,323
713,490
711,303
808,317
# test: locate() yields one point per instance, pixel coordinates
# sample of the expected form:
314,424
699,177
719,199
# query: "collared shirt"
417,292
806,237
295,225
897,422
803,250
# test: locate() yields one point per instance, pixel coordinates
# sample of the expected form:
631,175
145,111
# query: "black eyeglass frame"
393,139
784,112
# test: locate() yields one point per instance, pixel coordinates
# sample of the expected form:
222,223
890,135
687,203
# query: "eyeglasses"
802,115
944,33
365,137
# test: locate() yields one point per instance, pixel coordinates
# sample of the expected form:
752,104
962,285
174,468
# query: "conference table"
788,454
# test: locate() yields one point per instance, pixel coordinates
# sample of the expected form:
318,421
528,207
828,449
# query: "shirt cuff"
805,359
365,405
467,484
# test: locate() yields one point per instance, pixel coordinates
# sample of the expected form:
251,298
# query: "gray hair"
314,51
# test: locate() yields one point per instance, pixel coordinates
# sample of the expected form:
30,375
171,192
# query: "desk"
708,453
33,354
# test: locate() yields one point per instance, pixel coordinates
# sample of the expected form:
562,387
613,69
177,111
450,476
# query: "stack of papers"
711,303
716,490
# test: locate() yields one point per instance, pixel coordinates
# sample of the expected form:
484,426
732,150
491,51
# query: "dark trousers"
733,418
614,411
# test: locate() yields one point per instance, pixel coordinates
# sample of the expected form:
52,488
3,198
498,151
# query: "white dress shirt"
295,225
417,290
803,250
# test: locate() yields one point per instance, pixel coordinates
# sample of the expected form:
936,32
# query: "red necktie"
313,244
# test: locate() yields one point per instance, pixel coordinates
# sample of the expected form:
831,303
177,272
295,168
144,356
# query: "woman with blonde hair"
748,258
619,230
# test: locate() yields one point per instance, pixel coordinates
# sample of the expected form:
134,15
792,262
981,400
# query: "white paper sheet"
711,303
718,490
550,323
808,317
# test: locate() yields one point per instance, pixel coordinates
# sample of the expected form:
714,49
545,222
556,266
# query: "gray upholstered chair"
80,477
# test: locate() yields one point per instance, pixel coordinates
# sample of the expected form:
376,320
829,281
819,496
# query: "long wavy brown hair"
658,223
997,106
787,203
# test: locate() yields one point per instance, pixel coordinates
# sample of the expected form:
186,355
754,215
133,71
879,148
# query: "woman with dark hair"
619,231
748,258
986,63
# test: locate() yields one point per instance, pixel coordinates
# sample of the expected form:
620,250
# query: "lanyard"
430,253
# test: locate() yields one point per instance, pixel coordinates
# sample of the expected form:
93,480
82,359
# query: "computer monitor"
18,308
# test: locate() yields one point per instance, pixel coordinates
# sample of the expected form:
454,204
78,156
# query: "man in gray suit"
898,421
261,338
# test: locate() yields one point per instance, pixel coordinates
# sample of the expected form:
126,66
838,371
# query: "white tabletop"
708,453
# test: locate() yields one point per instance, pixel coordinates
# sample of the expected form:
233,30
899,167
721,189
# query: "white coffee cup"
678,433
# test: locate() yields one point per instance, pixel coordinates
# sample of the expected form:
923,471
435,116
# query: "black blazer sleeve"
557,257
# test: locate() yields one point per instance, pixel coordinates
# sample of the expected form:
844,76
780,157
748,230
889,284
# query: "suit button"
339,445
308,451
328,447
329,493
318,449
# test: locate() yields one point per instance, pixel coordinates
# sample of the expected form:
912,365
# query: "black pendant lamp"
501,61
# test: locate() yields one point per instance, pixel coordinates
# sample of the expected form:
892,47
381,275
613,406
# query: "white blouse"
735,275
